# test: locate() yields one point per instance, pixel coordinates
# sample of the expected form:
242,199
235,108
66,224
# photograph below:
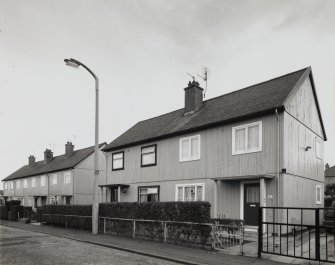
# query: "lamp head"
71,62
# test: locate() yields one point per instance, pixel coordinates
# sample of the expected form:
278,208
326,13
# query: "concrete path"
167,252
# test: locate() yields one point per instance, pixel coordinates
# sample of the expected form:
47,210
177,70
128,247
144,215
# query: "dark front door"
251,203
114,194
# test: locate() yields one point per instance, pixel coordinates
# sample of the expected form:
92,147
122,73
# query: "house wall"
84,177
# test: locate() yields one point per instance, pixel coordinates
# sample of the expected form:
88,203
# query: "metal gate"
304,233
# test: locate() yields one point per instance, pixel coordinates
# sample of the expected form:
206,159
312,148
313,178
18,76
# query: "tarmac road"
22,247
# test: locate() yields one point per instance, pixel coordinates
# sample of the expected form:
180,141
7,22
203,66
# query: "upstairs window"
18,184
11,184
318,194
149,155
148,194
118,161
33,182
189,148
247,138
190,192
43,180
318,148
53,179
67,177
5,185
25,183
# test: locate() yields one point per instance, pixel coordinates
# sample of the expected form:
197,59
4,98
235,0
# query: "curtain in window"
199,193
194,147
190,193
117,161
240,139
185,149
148,155
253,195
180,194
253,137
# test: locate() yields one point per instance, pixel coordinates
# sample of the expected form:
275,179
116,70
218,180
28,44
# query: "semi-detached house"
63,179
258,146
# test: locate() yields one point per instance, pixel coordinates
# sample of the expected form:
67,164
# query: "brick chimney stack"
31,160
47,155
68,149
193,96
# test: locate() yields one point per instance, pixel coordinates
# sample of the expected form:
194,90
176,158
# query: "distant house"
329,174
231,150
64,179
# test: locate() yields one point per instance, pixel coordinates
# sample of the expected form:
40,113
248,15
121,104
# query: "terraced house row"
64,179
258,146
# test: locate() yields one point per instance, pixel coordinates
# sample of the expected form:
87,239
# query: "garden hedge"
3,212
197,212
14,212
56,215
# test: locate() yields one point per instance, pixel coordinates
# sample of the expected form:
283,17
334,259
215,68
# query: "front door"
251,203
114,194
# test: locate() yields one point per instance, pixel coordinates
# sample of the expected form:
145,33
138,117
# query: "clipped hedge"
3,212
11,203
14,212
67,215
197,212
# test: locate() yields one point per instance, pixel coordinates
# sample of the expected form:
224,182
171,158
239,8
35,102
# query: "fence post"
213,235
134,228
317,234
165,232
260,231
65,222
104,225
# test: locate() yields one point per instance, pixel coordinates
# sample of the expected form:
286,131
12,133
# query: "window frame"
45,182
5,185
147,146
54,176
69,176
11,185
246,126
318,187
188,185
317,141
148,187
33,180
25,183
117,153
189,138
18,184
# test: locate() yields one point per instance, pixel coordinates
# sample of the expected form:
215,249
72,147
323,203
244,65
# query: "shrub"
197,212
14,211
27,212
39,214
9,204
3,212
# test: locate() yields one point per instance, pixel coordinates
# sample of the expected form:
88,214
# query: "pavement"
159,251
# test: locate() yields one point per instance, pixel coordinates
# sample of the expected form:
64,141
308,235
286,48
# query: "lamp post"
95,207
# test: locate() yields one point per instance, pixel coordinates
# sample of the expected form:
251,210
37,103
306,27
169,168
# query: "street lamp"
95,207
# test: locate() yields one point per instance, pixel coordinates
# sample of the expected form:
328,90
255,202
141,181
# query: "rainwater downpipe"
278,162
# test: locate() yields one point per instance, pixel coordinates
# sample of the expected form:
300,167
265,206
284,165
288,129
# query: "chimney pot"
68,149
193,96
31,160
47,155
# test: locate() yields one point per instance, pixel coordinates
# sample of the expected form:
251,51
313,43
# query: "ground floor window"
148,194
318,194
190,192
68,199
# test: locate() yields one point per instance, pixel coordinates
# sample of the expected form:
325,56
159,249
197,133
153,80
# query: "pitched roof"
57,163
258,99
330,172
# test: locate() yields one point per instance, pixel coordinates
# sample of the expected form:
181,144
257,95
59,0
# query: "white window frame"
25,183
53,179
188,185
189,139
317,141
11,185
43,183
33,182
318,200
18,184
5,186
246,126
67,177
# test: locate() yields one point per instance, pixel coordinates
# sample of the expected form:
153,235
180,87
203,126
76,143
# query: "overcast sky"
141,51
